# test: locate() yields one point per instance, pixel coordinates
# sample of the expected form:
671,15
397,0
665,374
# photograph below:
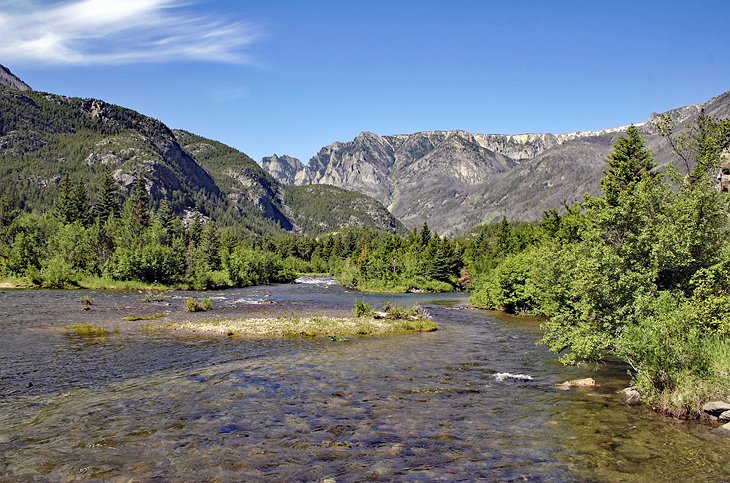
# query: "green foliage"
107,203
319,209
362,309
630,163
193,305
392,263
512,285
640,273
132,318
677,365
57,273
399,312
248,266
87,330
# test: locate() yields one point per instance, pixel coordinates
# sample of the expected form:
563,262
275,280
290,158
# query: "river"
152,405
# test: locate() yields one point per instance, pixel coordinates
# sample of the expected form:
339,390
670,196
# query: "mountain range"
454,180
44,136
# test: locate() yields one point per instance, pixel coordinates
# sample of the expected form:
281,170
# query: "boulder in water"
723,430
585,382
631,396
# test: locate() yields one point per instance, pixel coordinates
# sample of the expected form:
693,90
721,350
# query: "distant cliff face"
284,168
455,179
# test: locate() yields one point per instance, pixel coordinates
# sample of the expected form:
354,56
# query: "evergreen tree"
210,246
8,212
439,266
80,202
106,198
135,212
629,163
64,207
195,229
425,234
505,238
168,219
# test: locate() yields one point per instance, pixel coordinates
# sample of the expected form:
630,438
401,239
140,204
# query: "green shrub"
192,305
511,286
362,309
398,312
153,297
58,273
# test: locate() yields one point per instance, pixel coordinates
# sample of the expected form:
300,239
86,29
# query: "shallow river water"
150,405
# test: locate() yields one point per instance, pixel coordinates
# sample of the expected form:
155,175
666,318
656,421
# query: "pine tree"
138,202
195,229
64,207
106,198
135,213
425,234
505,238
439,266
210,246
8,212
629,163
80,204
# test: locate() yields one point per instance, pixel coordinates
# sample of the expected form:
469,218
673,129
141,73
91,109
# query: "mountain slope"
10,80
319,209
455,179
311,209
43,136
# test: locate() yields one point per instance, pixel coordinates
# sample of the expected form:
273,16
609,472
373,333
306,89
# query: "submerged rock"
631,396
229,428
724,430
585,382
716,408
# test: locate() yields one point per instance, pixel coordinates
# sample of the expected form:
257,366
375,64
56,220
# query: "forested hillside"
46,136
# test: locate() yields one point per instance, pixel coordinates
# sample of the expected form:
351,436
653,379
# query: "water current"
154,405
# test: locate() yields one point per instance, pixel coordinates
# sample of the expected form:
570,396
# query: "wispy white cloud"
118,32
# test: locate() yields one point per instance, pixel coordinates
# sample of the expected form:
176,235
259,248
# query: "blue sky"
289,77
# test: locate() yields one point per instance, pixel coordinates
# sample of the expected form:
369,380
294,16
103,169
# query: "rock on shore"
631,396
716,408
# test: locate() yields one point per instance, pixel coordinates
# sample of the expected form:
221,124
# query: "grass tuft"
192,305
87,330
144,317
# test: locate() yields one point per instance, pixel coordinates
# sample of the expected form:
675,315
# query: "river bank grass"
89,330
86,283
691,389
14,282
104,283
303,327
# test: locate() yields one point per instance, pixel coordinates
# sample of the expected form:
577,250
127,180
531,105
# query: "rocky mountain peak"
286,169
455,179
8,79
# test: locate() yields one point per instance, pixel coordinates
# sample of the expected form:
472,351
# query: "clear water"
147,405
